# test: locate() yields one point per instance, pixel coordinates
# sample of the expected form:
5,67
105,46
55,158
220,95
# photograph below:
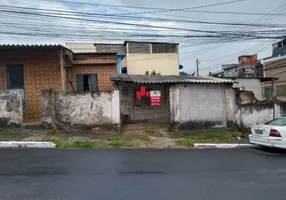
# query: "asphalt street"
212,174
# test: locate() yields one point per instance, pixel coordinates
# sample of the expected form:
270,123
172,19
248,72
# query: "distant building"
252,84
138,57
217,74
276,67
279,48
230,70
247,66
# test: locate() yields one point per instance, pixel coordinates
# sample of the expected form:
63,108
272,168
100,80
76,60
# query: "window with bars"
164,48
87,82
139,48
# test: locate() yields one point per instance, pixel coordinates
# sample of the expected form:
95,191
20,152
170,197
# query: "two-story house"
275,66
138,57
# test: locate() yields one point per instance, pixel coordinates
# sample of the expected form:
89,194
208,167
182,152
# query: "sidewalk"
128,139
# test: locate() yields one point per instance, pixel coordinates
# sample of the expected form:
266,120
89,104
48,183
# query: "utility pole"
197,61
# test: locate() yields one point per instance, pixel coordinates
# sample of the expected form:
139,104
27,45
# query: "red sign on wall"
155,98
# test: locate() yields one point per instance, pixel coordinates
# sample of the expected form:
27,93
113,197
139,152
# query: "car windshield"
277,122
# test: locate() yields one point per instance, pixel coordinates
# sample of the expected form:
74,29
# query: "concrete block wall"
48,107
254,114
197,106
244,115
11,107
81,109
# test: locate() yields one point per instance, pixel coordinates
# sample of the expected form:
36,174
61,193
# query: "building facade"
144,58
138,57
276,67
176,100
279,48
247,66
91,72
33,68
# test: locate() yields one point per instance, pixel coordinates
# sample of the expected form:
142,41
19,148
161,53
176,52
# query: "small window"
164,48
87,82
143,48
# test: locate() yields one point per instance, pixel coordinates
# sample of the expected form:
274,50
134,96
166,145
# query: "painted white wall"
11,108
250,84
163,63
174,104
233,72
247,115
231,105
198,103
88,108
254,115
81,47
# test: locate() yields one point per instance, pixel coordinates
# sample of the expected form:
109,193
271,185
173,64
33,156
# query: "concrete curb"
221,146
18,144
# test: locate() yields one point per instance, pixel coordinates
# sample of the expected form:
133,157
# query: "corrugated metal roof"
82,53
14,46
157,79
146,42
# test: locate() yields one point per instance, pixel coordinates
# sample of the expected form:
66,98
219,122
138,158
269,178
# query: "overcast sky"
211,56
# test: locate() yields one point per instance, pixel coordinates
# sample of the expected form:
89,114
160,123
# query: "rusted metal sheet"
248,59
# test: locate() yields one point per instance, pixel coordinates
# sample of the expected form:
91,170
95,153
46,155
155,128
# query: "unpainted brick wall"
102,64
41,70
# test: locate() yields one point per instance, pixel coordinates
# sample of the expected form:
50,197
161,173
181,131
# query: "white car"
271,134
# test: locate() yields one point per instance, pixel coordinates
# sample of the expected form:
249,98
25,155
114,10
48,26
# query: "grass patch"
189,143
180,143
10,136
84,145
2,129
176,134
214,137
116,141
55,133
75,145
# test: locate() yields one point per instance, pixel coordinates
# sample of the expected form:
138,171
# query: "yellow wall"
163,63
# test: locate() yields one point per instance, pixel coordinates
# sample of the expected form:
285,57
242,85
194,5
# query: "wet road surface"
215,174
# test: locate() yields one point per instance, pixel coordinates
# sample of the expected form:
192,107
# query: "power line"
148,18
142,25
226,35
164,9
237,13
267,18
184,9
140,7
